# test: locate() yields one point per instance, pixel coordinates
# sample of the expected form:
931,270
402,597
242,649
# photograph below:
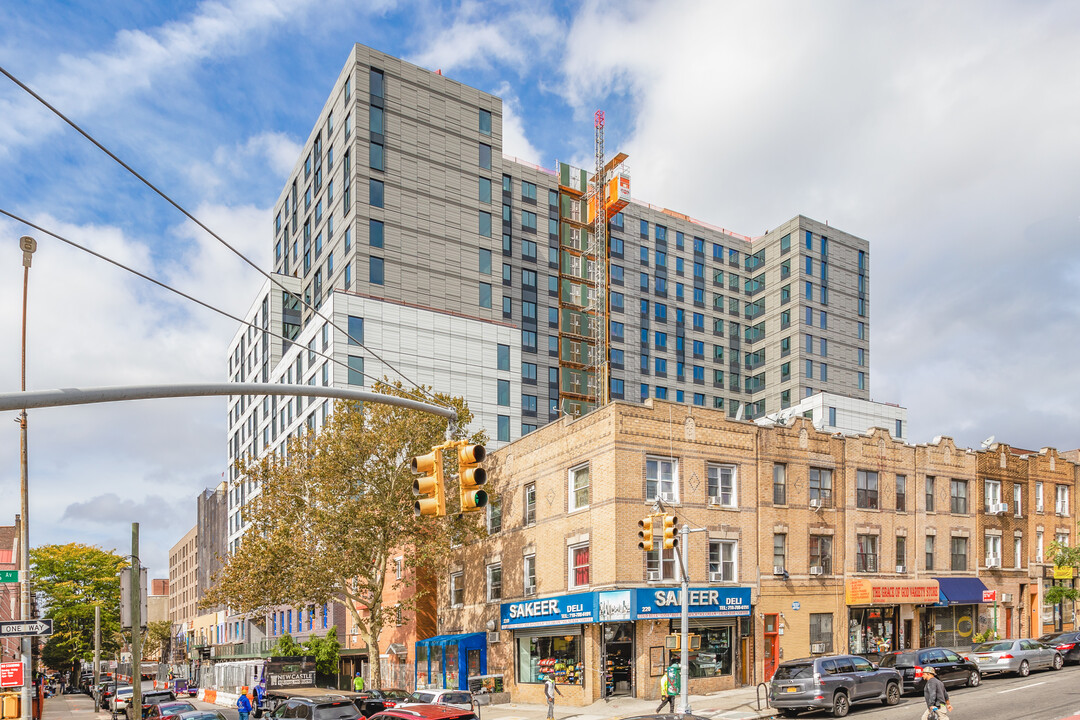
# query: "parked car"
425,712
150,698
120,698
1066,643
317,707
951,668
169,710
391,696
833,682
201,715
461,699
1017,656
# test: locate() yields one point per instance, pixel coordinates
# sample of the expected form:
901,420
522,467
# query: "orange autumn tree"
333,512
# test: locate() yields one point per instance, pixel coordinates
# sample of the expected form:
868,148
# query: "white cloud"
137,59
515,143
945,135
487,35
91,324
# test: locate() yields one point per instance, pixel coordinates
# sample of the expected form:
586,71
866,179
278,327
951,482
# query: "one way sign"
23,628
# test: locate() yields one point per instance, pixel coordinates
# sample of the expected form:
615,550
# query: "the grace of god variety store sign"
891,592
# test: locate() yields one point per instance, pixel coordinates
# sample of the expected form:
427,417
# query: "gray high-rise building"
404,222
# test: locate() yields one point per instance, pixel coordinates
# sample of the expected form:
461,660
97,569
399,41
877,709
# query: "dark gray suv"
833,682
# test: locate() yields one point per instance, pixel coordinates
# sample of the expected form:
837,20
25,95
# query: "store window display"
559,657
872,631
716,656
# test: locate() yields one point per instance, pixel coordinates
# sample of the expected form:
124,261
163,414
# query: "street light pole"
28,245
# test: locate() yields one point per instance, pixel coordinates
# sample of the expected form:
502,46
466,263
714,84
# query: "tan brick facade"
804,504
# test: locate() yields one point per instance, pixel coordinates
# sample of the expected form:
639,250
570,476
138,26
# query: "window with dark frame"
866,489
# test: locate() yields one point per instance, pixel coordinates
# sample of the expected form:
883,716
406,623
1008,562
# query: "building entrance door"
772,645
618,659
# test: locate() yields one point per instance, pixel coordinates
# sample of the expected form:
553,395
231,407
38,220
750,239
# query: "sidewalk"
68,706
738,704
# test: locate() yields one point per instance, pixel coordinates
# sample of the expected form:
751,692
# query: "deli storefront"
611,643
882,613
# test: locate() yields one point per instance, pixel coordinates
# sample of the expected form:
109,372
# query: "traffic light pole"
684,639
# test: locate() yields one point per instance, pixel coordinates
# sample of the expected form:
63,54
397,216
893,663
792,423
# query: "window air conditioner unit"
667,497
530,589
900,569
715,501
815,504
778,570
716,577
993,561
1062,508
817,570
493,636
1006,597
653,575
817,648
998,508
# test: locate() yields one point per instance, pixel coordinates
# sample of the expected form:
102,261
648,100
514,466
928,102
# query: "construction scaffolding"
585,206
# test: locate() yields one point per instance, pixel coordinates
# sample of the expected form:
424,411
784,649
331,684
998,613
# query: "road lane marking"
1022,687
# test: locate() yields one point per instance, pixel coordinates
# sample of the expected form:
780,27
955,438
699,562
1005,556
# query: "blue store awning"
960,591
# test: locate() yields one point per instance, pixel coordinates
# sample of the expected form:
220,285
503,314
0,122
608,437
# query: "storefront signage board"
662,603
559,610
891,592
625,605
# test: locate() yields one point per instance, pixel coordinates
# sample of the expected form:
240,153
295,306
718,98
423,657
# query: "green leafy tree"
69,581
286,647
326,651
330,517
156,639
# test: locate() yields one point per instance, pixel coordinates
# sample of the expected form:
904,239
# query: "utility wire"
182,294
213,234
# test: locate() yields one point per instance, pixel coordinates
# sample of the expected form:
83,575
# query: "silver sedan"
1016,656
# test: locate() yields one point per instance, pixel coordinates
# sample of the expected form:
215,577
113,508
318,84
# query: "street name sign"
24,628
9,576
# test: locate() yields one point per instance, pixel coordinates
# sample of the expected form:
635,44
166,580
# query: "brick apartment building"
804,543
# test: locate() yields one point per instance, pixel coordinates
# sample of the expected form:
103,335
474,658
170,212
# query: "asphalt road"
1045,695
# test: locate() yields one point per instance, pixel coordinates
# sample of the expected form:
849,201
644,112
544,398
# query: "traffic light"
645,533
670,541
431,486
472,476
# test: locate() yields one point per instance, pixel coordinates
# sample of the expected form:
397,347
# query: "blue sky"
945,135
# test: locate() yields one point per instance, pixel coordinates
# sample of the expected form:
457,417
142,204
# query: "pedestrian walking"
667,695
549,692
243,705
358,683
935,695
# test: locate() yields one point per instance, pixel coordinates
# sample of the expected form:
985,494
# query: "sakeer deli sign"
622,605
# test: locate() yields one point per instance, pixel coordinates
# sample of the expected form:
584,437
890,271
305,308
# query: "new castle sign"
25,628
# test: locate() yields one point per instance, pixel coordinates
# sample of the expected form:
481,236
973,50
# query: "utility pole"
28,245
684,641
97,655
136,624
